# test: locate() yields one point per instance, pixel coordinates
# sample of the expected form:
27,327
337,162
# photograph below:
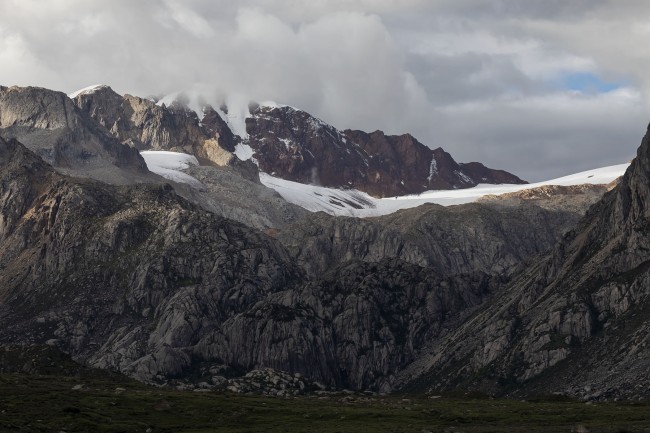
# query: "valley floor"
30,403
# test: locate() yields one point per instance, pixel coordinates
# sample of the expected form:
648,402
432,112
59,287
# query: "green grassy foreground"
30,403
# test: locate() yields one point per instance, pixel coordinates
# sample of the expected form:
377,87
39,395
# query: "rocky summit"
50,125
294,145
221,283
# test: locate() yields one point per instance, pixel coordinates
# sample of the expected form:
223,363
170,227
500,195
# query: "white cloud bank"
484,80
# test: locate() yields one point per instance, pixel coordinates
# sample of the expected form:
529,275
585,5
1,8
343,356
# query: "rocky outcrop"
143,124
574,322
139,122
482,174
50,125
266,381
354,327
576,198
226,193
294,145
451,240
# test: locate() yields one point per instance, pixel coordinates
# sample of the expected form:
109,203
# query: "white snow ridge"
350,202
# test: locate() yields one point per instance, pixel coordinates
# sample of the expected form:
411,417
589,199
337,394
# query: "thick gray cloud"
500,82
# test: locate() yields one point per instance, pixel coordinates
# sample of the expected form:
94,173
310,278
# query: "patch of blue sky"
586,82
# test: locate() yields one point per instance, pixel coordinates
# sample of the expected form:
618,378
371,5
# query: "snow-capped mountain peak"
87,90
284,142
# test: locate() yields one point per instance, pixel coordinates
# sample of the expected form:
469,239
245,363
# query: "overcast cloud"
540,88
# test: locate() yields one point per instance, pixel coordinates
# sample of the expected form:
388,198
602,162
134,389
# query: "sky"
538,88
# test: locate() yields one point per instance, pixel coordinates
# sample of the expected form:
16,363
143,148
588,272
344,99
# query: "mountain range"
196,272
284,142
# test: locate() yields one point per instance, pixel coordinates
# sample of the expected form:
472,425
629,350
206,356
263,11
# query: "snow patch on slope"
463,177
170,165
244,152
350,202
317,198
433,168
197,107
236,116
287,143
87,90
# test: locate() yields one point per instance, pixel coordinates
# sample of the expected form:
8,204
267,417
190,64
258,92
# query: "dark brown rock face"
575,322
294,145
481,174
216,127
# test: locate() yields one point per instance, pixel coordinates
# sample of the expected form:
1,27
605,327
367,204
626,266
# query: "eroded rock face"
575,322
138,280
452,240
144,125
228,194
122,278
49,124
354,327
294,145
575,198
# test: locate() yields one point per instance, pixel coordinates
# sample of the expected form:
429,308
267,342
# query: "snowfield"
170,165
351,202
359,204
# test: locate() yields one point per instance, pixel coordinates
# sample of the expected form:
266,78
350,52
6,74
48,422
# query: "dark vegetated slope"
81,404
